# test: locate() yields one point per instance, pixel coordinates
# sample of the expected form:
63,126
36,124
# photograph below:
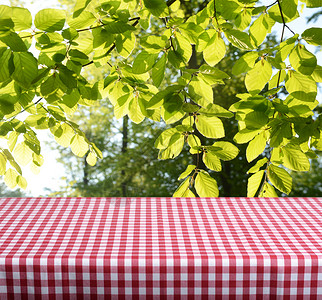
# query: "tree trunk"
124,150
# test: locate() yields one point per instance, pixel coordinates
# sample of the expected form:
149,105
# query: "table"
161,248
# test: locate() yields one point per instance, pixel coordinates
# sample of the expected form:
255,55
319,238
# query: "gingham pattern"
168,248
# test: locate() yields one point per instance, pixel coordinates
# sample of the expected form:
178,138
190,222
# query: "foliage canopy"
275,117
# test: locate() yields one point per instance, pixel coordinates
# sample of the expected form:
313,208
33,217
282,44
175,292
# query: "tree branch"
20,112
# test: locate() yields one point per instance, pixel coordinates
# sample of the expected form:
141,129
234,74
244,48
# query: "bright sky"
51,171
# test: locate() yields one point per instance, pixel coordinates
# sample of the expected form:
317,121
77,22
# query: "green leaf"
125,43
80,6
211,127
313,3
172,108
257,77
22,18
10,178
211,75
14,41
3,164
200,91
188,170
317,74
211,161
153,43
245,135
259,29
239,39
135,113
285,48
280,178
295,159
224,150
245,63
68,77
158,99
205,185
174,149
289,9
300,86
268,191
118,27
313,36
23,154
50,19
26,68
157,8
71,99
144,62
78,145
49,86
181,190
256,146
22,182
215,110
254,182
158,70
182,48
255,168
302,60
255,120
84,20
215,50
91,159
4,64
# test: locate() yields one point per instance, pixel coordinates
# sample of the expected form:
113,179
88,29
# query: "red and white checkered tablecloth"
160,248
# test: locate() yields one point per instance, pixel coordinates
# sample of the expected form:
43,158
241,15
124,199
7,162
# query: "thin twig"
20,112
282,36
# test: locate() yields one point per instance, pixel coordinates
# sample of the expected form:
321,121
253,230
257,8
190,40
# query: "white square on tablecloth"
239,276
293,291
114,291
100,291
170,291
197,276
156,291
239,291
225,276
44,290
142,291
128,276
184,276
252,290
114,276
225,291
156,276
128,291
170,276
142,277
86,290
306,290
72,276
58,290
72,290
197,291
86,276
184,290
100,276
17,289
252,276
